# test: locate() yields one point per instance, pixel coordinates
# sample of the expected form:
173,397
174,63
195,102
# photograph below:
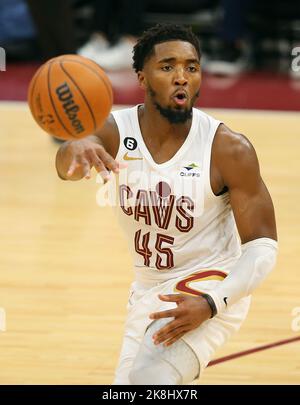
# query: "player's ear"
142,79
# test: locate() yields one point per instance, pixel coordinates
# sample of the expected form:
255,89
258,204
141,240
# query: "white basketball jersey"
174,223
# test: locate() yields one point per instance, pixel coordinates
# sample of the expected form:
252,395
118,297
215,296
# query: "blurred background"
248,46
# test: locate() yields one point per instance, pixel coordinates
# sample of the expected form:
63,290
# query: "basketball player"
199,219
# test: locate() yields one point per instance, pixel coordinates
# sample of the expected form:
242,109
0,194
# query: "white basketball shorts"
204,340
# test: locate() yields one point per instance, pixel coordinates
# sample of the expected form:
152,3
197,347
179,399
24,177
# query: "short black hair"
158,34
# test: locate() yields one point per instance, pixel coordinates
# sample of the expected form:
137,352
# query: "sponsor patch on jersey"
190,170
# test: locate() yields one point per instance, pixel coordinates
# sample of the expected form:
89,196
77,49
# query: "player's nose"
179,77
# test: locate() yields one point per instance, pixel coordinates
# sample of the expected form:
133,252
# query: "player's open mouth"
180,98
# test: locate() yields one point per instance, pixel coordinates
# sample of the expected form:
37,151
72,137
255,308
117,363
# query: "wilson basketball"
70,97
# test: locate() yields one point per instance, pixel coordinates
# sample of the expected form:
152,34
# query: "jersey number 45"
164,257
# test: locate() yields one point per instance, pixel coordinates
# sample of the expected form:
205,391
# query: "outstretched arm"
75,159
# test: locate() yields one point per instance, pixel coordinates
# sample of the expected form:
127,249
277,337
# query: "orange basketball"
70,97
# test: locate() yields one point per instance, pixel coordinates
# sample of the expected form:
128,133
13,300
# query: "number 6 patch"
130,143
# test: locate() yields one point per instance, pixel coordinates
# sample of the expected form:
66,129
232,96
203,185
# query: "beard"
174,115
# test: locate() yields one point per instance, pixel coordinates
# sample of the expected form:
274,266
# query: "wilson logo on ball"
70,107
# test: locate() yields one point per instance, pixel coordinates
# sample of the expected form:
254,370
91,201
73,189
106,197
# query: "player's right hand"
75,159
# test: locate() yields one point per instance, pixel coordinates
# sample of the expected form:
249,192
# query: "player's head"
145,45
167,61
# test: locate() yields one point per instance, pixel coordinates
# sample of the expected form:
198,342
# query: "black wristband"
211,303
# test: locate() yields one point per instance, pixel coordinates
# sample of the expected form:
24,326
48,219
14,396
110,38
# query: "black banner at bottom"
135,394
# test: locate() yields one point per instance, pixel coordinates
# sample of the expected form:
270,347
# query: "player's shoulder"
231,145
109,135
110,131
110,125
234,156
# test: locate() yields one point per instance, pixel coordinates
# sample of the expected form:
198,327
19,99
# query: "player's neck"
154,125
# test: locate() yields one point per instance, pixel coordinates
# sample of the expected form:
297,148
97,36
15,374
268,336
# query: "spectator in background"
15,22
231,57
117,23
54,24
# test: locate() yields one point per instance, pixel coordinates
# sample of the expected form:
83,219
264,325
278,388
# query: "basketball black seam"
107,87
33,86
78,88
100,77
96,73
50,95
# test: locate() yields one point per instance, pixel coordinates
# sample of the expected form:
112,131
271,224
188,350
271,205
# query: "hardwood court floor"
65,269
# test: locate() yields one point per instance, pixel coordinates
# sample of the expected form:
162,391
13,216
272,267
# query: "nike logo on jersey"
225,300
126,157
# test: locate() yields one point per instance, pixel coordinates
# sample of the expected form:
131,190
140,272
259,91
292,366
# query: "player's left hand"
190,313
